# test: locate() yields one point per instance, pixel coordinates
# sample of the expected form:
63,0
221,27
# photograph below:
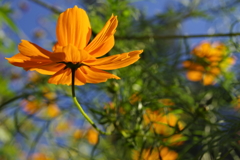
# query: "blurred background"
181,100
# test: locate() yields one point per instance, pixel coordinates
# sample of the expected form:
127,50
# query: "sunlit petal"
42,66
93,75
208,79
63,76
104,41
48,69
32,50
79,77
73,27
194,75
115,61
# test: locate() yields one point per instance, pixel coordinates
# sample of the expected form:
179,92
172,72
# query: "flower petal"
208,79
193,66
115,61
194,75
62,77
32,50
79,77
93,75
48,69
73,27
104,41
41,65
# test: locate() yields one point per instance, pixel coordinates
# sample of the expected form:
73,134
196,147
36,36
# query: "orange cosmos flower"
166,125
211,61
73,51
161,153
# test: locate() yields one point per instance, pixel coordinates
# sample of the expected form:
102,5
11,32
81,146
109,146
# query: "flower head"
74,52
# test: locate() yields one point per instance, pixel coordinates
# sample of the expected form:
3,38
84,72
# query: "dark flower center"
73,66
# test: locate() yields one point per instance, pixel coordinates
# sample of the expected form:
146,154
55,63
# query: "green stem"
80,107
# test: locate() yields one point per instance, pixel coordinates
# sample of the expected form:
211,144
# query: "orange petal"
202,50
79,77
18,58
115,61
186,64
48,69
93,75
208,79
53,110
104,41
193,66
193,75
32,50
40,65
92,136
62,77
215,71
73,27
167,154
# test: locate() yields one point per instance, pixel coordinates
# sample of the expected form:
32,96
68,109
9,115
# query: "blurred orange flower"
161,153
136,97
30,107
214,52
47,110
62,127
212,60
53,110
78,134
40,156
166,102
73,51
166,125
92,136
111,108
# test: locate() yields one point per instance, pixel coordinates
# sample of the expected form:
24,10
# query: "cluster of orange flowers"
165,124
162,153
44,109
211,60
